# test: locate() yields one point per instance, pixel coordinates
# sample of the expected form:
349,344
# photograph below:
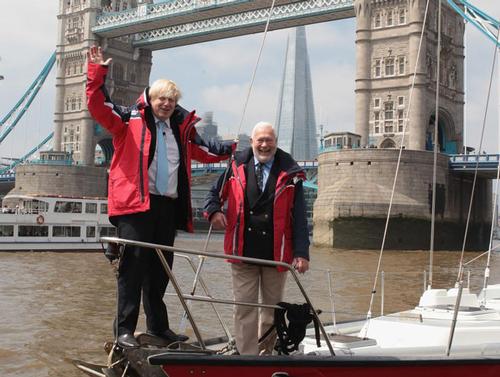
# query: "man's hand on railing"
300,264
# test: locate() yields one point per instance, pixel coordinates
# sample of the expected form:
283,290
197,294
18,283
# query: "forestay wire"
245,105
461,265
405,123
271,10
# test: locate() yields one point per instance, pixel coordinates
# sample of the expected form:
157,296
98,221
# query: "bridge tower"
387,41
75,130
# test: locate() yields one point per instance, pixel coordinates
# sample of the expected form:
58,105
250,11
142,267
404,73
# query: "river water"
55,307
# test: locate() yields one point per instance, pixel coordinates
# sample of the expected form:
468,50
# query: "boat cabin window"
90,231
65,231
33,231
90,207
107,231
68,207
104,208
6,230
34,206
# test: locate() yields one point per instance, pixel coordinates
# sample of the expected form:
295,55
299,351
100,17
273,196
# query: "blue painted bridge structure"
486,165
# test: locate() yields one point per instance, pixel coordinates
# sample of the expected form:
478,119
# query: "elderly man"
149,194
265,219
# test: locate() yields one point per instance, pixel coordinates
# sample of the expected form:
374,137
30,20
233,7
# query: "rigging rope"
405,123
461,264
202,259
436,145
271,10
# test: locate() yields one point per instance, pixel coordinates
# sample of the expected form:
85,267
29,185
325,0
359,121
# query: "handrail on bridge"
469,158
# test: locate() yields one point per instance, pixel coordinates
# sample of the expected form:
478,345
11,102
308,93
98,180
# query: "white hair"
262,125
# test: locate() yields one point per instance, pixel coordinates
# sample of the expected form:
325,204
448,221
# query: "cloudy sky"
215,76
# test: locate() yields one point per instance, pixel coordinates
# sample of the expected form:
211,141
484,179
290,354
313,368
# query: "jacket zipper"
282,249
238,215
141,158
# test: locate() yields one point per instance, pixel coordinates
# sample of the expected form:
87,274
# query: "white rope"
271,10
461,265
379,264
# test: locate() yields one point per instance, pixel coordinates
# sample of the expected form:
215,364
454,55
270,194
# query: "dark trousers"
140,269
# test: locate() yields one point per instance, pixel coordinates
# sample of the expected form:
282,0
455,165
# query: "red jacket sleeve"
100,106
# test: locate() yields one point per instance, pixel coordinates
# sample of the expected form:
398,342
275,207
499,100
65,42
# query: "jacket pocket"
125,192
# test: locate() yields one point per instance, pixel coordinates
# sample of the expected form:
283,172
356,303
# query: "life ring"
40,220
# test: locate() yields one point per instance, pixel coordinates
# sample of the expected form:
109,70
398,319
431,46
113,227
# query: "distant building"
243,140
341,140
295,120
207,128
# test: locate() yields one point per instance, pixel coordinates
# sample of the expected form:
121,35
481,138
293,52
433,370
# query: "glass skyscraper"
295,120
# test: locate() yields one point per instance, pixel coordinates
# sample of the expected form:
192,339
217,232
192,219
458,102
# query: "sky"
215,76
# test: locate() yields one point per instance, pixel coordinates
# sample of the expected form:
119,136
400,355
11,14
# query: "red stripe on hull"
448,370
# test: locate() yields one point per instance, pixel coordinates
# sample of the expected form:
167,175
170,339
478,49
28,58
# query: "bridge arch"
446,133
104,152
388,143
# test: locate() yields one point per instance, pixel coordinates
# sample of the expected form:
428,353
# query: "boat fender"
40,220
290,336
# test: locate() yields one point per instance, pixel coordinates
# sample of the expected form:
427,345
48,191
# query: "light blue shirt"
267,169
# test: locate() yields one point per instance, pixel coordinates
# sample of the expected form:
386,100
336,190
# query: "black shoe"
169,336
127,341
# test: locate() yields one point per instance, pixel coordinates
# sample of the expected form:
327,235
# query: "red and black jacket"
291,236
134,142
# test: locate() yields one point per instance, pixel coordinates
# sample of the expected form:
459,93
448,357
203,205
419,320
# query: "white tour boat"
49,223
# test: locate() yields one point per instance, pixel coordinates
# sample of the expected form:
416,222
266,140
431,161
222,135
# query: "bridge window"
6,230
390,17
376,122
33,231
402,16
118,73
65,231
376,103
104,208
389,110
90,207
378,68
389,66
400,120
401,65
377,20
73,103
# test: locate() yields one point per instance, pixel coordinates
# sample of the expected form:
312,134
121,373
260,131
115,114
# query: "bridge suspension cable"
27,155
10,121
482,21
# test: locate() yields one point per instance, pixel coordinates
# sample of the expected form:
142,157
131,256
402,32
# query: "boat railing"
183,298
337,294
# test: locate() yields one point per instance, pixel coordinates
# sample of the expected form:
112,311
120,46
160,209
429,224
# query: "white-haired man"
149,194
265,219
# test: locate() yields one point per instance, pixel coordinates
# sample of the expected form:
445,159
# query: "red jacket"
291,236
134,145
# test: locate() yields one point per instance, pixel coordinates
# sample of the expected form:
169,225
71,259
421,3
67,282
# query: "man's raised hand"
95,56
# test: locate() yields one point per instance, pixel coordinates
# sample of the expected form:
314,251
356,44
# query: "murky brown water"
55,307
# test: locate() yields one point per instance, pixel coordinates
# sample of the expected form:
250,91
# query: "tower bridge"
178,23
388,50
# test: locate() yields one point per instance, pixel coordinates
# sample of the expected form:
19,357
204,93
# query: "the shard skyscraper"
295,120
